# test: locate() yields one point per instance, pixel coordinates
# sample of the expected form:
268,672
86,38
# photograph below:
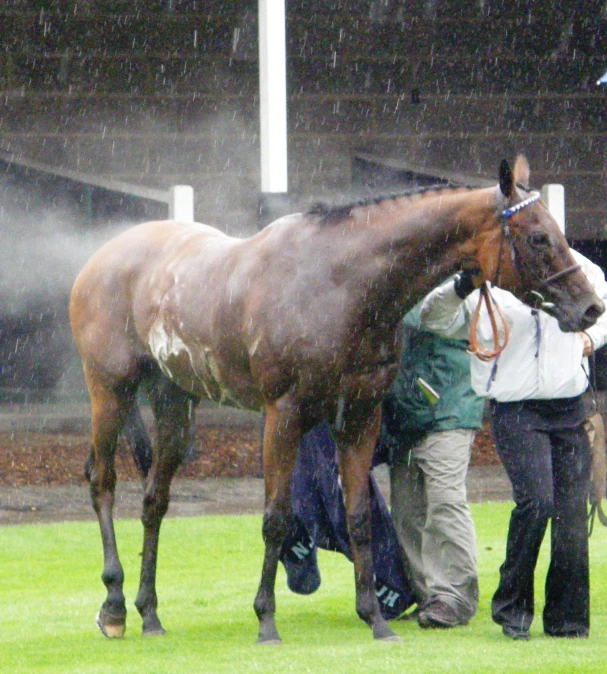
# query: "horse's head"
524,251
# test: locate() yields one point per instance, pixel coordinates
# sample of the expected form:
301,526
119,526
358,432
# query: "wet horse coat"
300,320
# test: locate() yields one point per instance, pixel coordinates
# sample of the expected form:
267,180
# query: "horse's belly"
192,367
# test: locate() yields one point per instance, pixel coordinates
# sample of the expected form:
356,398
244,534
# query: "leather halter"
485,295
506,235
540,302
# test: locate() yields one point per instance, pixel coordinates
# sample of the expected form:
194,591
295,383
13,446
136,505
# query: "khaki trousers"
433,521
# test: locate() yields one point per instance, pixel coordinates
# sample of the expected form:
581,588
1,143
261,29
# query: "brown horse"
300,320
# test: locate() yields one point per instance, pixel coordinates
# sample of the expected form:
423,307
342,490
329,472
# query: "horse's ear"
506,179
521,171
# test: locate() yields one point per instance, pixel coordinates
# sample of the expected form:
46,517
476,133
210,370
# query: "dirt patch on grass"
35,458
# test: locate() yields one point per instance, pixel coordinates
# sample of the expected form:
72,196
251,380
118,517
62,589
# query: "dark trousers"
545,451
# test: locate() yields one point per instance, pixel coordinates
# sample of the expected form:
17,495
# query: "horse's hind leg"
108,411
173,411
138,440
281,438
355,450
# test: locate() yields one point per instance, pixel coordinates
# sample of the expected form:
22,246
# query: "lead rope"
588,429
486,297
596,434
492,307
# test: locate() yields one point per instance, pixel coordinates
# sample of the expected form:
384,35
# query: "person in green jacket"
429,419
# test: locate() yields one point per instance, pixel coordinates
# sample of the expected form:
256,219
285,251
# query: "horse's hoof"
267,634
394,638
151,627
157,632
382,632
269,642
108,629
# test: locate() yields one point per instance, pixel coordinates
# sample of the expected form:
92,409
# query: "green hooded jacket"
407,414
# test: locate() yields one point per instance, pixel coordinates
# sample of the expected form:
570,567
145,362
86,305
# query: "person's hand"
587,343
466,281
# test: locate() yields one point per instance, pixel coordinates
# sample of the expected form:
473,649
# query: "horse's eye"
539,239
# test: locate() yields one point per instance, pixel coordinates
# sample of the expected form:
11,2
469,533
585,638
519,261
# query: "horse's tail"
138,440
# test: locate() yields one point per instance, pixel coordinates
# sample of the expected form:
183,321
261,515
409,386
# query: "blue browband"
509,212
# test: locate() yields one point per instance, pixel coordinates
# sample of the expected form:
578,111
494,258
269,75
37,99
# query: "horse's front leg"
356,443
280,441
107,416
173,411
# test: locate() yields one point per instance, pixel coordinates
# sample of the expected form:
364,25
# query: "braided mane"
332,215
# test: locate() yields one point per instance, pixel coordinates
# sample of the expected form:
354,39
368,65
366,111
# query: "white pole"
553,196
273,96
181,203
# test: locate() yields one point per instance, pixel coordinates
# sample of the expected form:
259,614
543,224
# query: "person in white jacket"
535,389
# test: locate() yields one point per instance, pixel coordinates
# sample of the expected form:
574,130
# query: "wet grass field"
207,577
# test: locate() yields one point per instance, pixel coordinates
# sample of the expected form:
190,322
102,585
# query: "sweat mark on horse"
300,320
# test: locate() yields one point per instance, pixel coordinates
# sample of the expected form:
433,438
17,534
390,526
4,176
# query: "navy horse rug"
319,521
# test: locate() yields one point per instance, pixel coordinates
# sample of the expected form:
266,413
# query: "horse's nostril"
592,313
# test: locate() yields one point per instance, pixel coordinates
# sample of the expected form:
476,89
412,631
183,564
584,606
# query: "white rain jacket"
540,362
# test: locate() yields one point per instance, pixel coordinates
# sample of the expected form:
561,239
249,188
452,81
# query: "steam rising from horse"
300,320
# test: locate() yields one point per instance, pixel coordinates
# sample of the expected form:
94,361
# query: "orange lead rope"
492,307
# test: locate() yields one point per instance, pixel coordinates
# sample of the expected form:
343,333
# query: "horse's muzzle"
577,320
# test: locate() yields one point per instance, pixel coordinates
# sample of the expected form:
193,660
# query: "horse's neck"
448,214
421,236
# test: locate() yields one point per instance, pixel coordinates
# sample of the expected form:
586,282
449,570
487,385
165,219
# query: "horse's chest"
192,366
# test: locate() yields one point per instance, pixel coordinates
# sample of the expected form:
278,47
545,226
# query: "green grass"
50,591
